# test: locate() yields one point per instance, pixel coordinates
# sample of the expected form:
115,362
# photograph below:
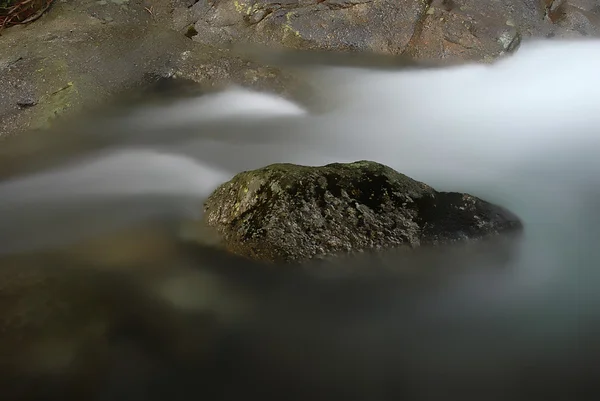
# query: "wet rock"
288,213
78,55
470,30
435,29
384,26
474,30
577,17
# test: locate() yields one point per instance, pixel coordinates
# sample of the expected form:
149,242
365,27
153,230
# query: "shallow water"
499,132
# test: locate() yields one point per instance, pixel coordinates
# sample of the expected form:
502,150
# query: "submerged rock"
293,213
72,332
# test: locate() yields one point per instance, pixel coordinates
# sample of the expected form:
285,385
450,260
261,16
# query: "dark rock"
287,212
26,102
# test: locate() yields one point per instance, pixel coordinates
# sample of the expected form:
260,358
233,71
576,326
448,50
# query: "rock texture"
287,212
425,29
77,55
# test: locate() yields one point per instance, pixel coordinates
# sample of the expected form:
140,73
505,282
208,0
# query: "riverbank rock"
433,29
79,55
294,213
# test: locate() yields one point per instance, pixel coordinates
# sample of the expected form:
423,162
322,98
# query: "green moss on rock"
286,212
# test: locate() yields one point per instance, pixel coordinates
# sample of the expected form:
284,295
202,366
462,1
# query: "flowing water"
523,132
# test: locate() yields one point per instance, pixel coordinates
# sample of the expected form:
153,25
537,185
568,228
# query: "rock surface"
293,213
77,55
425,29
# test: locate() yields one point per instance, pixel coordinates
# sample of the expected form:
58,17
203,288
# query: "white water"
522,133
104,192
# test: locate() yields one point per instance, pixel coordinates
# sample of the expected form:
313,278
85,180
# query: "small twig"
150,11
19,5
38,15
12,16
67,86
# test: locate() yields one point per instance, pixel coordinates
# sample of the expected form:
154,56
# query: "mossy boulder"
292,213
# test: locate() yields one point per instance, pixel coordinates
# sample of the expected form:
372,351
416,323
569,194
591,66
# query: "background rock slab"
424,29
79,54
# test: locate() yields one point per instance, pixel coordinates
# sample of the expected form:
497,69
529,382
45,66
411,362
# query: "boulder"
292,213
